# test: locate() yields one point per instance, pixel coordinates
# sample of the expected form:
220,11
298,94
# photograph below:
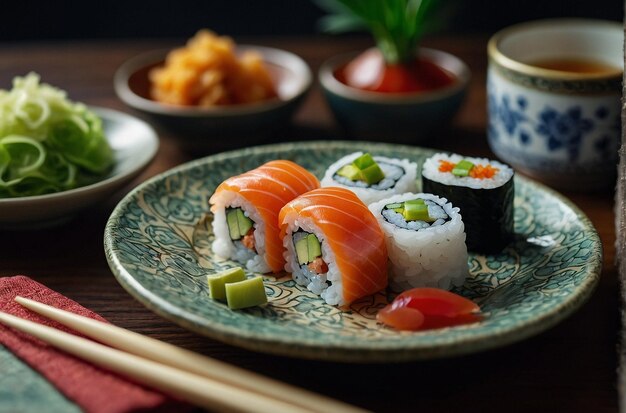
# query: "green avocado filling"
232,286
462,168
217,281
364,168
238,223
308,248
413,210
246,293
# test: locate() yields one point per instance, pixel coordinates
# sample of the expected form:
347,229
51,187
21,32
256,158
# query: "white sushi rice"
431,171
316,283
224,247
400,177
423,254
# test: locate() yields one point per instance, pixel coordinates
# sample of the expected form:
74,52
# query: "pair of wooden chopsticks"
200,380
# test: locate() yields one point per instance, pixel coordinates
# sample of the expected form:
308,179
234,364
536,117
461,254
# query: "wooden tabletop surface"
571,367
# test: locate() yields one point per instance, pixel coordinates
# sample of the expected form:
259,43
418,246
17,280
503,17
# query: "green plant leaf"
396,25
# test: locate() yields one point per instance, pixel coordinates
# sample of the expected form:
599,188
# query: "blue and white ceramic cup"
559,126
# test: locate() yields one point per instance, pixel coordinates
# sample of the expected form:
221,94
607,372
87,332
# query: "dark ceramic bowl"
393,117
220,127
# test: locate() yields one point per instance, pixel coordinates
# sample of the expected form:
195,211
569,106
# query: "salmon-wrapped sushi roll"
334,245
245,213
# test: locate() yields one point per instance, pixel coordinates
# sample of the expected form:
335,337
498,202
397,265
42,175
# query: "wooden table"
571,367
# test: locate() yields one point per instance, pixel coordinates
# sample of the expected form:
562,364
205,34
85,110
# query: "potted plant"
396,90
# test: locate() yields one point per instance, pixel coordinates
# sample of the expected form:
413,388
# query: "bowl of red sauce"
403,103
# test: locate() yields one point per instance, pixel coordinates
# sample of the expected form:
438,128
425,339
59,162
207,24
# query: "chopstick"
201,380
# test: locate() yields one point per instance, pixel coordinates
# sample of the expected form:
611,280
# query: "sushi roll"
333,245
425,238
482,189
372,178
245,213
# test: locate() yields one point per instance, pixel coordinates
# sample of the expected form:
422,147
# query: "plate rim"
344,352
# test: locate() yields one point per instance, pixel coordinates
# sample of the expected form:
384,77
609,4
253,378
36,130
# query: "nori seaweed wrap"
482,189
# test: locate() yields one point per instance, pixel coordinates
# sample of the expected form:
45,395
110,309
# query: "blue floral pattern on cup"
564,129
509,117
561,130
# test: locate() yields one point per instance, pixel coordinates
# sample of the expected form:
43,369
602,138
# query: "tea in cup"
554,89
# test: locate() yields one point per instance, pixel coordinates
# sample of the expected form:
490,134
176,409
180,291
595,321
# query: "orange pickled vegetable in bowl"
214,95
207,72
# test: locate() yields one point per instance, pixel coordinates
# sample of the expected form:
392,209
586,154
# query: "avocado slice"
395,205
217,281
350,171
416,210
372,174
302,250
244,222
314,247
233,224
246,293
364,161
238,223
364,168
308,248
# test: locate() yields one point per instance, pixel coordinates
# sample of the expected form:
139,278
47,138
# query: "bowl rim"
148,154
498,57
278,57
329,82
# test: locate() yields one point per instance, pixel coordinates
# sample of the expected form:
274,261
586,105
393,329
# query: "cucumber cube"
462,168
246,293
218,280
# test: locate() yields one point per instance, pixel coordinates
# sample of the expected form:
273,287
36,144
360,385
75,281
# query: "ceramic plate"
158,239
134,144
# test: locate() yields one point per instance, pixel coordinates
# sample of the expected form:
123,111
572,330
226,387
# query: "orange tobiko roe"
446,166
478,171
428,308
483,171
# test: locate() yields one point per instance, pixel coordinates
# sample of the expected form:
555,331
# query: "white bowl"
134,145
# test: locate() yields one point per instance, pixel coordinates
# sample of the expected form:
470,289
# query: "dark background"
53,20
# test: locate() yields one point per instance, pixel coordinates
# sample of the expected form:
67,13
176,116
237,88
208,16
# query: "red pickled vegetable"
369,71
428,308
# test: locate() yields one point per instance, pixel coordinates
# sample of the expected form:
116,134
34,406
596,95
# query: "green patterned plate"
157,242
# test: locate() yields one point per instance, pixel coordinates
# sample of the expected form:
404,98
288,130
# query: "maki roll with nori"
372,178
425,238
482,189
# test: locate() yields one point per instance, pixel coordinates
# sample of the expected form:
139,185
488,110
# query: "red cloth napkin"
93,389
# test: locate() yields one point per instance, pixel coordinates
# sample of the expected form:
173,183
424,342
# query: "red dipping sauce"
370,72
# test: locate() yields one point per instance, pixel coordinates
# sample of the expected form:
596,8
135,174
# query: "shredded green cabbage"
47,142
